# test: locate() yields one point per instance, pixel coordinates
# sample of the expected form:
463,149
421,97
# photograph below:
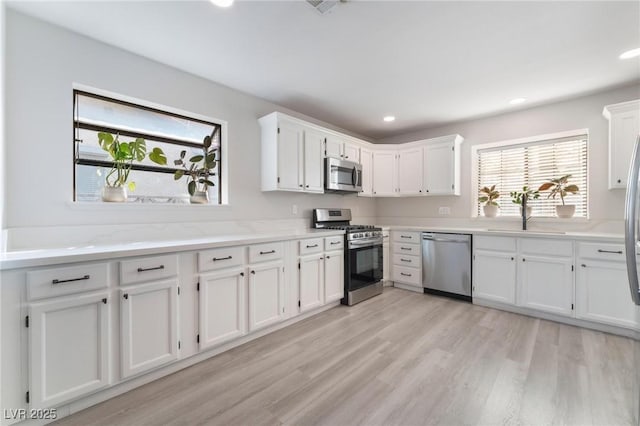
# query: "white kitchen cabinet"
624,128
222,306
386,253
333,276
68,348
290,156
546,283
442,167
406,268
266,294
410,171
385,175
148,326
351,152
337,147
311,281
366,159
494,276
313,167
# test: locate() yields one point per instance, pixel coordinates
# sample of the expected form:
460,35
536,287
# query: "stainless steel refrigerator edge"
632,246
446,264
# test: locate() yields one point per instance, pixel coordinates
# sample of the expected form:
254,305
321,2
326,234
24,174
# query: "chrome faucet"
524,212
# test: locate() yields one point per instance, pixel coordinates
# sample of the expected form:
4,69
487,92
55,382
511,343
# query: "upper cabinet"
441,165
337,147
385,174
624,127
410,171
366,159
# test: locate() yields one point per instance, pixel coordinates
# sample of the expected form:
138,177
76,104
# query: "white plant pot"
490,210
114,194
199,197
567,211
529,211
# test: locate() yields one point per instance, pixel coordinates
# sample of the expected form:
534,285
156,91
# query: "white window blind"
513,166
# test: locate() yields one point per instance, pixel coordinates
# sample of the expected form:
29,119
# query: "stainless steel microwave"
342,176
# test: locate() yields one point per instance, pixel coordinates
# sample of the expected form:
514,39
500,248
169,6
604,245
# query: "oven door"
341,175
364,265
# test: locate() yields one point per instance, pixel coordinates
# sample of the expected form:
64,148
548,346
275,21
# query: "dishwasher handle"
446,238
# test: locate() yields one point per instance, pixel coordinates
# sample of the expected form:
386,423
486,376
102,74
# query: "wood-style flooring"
398,359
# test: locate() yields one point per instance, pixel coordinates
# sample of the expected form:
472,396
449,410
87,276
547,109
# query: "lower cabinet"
494,276
546,284
148,326
222,306
266,295
311,282
333,276
69,348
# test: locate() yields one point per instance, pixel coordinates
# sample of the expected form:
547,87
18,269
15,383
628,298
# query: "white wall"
2,134
578,113
43,63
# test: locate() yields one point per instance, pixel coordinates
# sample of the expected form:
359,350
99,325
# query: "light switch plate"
294,209
444,211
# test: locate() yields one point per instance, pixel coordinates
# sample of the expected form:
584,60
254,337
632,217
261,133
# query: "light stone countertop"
52,256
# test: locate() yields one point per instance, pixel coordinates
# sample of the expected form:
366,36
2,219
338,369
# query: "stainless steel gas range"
362,256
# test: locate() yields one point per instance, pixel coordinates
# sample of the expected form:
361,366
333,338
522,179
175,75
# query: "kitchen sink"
529,231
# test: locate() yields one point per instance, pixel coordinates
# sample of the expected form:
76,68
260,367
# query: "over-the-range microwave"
342,175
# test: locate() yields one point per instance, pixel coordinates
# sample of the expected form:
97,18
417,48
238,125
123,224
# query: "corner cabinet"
385,174
442,167
624,128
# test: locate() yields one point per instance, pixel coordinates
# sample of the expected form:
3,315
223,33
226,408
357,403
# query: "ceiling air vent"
323,6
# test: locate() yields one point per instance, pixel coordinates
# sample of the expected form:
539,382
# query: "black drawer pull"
86,277
610,251
151,269
405,248
268,252
406,275
405,260
335,242
405,236
215,259
315,245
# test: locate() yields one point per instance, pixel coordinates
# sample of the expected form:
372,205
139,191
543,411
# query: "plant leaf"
158,157
105,140
196,158
138,149
209,183
182,154
545,186
207,141
191,187
572,189
178,174
178,162
132,186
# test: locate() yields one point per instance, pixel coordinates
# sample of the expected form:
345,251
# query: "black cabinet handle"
619,181
512,258
242,274
268,252
86,277
583,265
151,269
327,257
523,259
315,245
405,260
215,259
104,300
405,248
610,251
253,272
405,236
334,242
126,296
406,275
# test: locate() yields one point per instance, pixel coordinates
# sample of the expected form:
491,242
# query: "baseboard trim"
409,287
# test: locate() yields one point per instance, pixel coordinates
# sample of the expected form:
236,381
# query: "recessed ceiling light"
222,3
389,118
630,54
517,101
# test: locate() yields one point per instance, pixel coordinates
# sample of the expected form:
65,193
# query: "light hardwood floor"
398,359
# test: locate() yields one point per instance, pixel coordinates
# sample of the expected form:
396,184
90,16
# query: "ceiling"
427,63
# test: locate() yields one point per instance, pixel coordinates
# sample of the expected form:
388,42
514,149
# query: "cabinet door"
410,171
266,295
290,137
384,174
602,294
494,276
352,152
624,128
311,282
333,276
313,161
333,147
69,349
148,326
439,169
223,307
366,159
547,284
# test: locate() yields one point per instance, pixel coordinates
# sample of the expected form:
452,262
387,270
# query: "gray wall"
43,63
578,113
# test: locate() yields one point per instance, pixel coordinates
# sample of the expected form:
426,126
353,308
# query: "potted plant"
198,171
123,154
560,186
489,197
526,193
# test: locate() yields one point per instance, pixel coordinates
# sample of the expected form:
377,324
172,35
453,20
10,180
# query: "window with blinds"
531,164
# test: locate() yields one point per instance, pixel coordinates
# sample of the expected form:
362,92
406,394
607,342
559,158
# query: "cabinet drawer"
225,257
547,247
406,237
494,243
615,252
148,269
402,274
334,243
315,245
404,260
66,280
265,252
410,249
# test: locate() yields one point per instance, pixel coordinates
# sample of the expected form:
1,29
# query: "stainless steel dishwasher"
446,264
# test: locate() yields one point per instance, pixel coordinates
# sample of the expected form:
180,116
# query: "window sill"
100,205
544,219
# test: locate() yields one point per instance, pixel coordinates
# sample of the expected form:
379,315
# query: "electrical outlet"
444,211
294,209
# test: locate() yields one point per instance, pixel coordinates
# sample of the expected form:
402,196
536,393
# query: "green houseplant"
526,193
123,155
199,170
489,197
561,187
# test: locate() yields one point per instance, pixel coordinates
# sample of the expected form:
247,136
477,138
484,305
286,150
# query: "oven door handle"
366,243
